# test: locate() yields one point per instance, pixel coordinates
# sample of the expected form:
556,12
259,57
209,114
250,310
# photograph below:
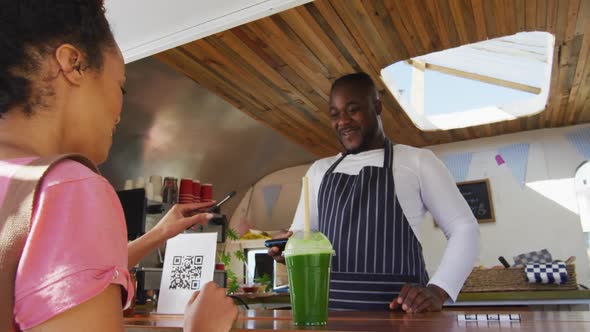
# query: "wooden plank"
311,34
373,49
201,51
439,23
231,67
232,39
480,19
444,8
583,90
490,14
572,19
477,77
403,22
331,34
500,15
581,70
510,12
361,26
541,15
422,23
520,13
560,90
530,15
571,51
469,20
186,64
546,116
293,55
278,89
335,22
382,22
277,27
583,17
265,52
457,14
552,15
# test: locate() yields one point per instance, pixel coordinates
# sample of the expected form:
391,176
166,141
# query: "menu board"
479,198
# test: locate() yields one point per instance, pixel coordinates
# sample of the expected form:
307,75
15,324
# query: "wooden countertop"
469,299
446,321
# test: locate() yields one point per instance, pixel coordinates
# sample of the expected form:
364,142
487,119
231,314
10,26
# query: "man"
370,201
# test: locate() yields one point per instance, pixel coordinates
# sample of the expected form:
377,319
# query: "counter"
522,298
446,321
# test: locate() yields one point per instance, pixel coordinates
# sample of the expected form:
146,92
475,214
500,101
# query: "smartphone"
221,219
220,203
276,243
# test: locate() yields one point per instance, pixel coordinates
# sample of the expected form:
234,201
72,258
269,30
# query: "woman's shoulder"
70,171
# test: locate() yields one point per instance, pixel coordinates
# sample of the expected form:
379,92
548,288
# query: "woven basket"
512,279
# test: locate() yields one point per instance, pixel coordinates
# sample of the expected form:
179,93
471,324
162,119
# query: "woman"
61,90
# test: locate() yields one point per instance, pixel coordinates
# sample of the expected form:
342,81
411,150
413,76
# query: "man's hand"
275,252
415,298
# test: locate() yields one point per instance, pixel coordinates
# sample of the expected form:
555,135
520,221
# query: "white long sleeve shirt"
422,183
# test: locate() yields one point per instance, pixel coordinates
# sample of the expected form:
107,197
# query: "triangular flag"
580,139
516,157
271,194
458,164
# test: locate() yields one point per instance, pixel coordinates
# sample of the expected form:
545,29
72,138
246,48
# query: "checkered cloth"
546,273
541,256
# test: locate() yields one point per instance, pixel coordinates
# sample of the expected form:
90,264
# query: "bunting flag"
458,164
516,157
270,194
580,139
499,160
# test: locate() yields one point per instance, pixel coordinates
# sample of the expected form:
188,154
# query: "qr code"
186,272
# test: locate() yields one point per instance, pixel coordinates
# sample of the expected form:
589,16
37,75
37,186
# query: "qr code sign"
186,272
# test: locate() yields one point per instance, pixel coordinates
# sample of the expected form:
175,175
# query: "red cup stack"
185,192
206,192
196,191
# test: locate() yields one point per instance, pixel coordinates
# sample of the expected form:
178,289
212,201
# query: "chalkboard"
478,196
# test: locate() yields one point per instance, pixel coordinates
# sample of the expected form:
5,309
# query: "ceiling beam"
476,77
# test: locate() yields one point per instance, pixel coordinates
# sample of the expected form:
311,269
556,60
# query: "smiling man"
370,200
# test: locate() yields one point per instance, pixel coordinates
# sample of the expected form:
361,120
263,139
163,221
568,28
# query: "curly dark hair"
32,29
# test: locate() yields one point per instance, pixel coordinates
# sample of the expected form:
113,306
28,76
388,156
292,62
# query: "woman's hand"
181,217
210,310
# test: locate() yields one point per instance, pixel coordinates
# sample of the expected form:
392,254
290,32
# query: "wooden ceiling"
279,69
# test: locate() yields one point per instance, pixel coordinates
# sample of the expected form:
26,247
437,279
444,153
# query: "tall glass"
308,259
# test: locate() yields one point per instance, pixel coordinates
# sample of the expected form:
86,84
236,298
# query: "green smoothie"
309,280
308,258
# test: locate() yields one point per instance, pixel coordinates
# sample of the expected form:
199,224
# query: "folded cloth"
551,273
541,256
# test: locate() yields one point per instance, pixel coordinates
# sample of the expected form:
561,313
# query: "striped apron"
376,249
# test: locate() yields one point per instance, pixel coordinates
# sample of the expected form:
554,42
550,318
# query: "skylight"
486,82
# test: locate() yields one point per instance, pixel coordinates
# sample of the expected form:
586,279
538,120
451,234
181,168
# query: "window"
486,82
